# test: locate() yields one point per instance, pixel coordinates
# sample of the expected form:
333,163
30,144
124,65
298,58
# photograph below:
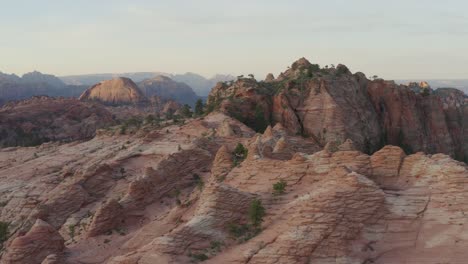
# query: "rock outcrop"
42,119
332,105
115,92
38,243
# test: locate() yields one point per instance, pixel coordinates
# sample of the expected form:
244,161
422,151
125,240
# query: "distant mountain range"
461,84
201,85
184,88
14,87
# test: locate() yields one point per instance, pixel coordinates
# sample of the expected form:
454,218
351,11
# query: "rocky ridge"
332,104
42,119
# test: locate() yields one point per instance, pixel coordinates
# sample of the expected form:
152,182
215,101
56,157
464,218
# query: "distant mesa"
114,92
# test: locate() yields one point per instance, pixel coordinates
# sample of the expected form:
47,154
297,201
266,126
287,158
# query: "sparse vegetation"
199,107
186,111
238,230
425,92
169,114
198,257
243,232
260,123
71,232
279,187
239,155
121,231
149,119
198,181
213,104
3,232
256,212
216,246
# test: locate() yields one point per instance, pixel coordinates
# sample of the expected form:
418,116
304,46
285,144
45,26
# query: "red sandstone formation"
332,105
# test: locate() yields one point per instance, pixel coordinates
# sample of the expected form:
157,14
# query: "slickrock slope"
43,119
181,194
332,105
41,241
166,88
114,92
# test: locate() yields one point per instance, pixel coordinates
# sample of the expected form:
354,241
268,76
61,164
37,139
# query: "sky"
398,39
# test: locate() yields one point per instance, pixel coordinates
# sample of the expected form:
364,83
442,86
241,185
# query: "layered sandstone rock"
332,105
40,241
180,198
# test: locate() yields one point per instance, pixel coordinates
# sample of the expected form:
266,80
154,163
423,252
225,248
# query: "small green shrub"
198,181
243,232
199,257
238,230
71,232
256,212
4,231
239,154
279,187
216,245
199,107
186,111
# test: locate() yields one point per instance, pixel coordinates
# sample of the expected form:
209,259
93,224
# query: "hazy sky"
393,39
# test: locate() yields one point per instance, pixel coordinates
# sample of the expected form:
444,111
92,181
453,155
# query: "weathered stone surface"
386,164
43,119
40,241
107,217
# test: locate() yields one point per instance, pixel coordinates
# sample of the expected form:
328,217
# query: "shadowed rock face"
166,88
332,105
114,92
42,119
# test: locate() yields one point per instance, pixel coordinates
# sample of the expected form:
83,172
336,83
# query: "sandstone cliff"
332,104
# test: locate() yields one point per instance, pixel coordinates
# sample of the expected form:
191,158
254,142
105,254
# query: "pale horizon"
397,40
